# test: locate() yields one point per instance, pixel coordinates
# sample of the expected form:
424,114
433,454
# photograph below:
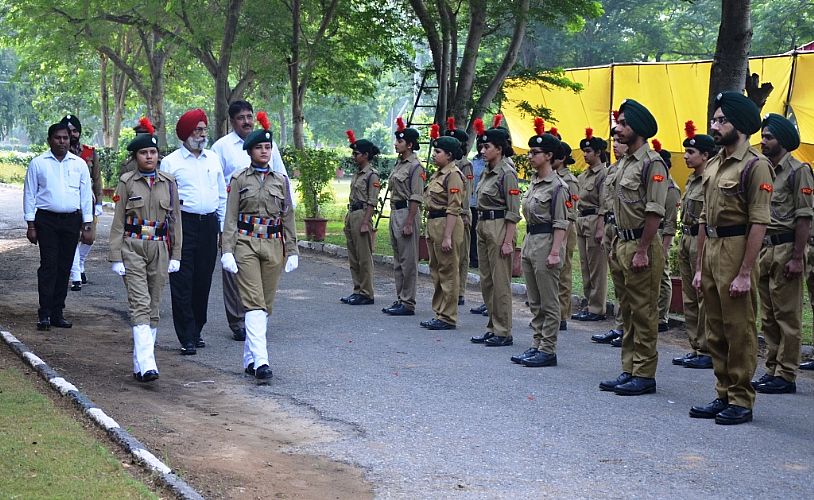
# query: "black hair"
238,106
56,127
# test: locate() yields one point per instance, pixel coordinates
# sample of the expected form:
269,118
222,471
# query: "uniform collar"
598,167
739,154
784,163
253,171
364,170
641,152
536,179
411,158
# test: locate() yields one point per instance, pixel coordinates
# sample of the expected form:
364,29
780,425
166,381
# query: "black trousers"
57,236
189,286
473,239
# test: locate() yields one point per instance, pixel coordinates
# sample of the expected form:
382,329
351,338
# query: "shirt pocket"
74,178
249,200
630,190
541,207
135,208
436,194
782,205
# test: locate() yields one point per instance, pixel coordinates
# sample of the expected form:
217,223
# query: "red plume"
656,145
400,126
496,121
147,125
435,131
480,129
615,114
263,118
539,126
589,133
451,123
554,131
689,129
351,137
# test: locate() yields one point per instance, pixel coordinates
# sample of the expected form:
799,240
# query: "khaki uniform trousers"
566,277
781,311
810,275
444,269
730,326
607,245
495,276
665,290
542,284
145,263
638,299
694,310
405,256
360,253
463,257
259,262
594,264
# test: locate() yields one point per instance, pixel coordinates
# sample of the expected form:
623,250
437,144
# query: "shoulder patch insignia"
116,198
575,197
514,192
229,188
377,185
766,187
424,176
806,190
470,177
569,204
454,190
658,178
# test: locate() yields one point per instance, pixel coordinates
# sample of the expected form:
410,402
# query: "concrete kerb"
130,444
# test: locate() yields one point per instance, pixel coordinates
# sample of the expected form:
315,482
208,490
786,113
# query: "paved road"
429,414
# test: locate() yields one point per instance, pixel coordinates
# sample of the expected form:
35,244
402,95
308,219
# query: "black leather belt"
193,216
136,229
630,234
544,227
491,214
610,218
359,205
778,239
435,214
691,230
587,211
275,229
398,205
726,231
58,215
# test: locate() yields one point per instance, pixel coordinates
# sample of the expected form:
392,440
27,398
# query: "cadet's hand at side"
292,263
118,268
740,286
174,266
227,260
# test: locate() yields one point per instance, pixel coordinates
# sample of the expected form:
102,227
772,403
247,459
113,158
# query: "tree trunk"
297,117
442,73
104,104
466,73
730,64
282,138
220,122
121,87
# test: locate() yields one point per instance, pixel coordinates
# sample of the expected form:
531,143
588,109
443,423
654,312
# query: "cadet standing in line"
443,199
362,201
667,230
147,220
809,365
641,190
562,158
697,151
782,258
592,258
465,166
259,238
737,201
498,215
545,208
406,192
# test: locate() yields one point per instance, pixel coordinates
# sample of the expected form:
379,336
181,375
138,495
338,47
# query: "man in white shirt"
57,204
202,194
233,158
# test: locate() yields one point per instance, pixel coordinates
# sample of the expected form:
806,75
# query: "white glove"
97,210
174,266
118,268
227,260
292,263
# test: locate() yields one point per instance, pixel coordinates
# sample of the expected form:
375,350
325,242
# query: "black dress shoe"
60,322
578,316
401,310
710,410
541,359
478,310
83,278
200,343
148,376
531,351
617,342
734,415
762,380
777,385
350,297
700,362
437,324
461,300
485,313
249,370
606,338
593,317
563,325
360,300
807,365
663,327
609,385
636,387
482,338
188,349
263,372
394,305
44,324
425,323
239,335
680,360
498,341
76,286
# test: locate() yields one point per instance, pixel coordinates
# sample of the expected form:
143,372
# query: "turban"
741,111
74,121
188,122
783,130
639,118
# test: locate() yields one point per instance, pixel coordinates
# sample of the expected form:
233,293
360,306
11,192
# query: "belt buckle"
767,241
712,231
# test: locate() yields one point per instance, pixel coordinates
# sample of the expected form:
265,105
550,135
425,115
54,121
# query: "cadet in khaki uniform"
641,190
498,214
146,222
593,259
809,365
443,199
562,159
667,230
259,238
364,195
406,191
737,200
545,208
782,258
697,151
465,166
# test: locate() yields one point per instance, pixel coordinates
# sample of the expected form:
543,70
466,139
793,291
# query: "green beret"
143,141
546,142
702,142
741,111
566,153
449,144
497,136
409,135
364,146
256,138
783,130
459,134
594,143
639,118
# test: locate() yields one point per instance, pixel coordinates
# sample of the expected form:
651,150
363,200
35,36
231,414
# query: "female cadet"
465,166
258,233
364,195
145,234
545,208
443,199
498,214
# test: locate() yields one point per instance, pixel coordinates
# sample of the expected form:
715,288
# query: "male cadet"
782,258
697,151
406,194
560,163
737,199
593,259
465,166
667,230
641,190
809,365
233,157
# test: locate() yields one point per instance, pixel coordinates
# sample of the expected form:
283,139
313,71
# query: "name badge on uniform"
134,198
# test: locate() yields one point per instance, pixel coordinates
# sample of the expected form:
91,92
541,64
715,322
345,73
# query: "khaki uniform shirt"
465,166
407,180
692,203
498,190
135,198
446,190
639,192
544,192
729,203
609,189
590,186
673,201
791,195
250,194
365,186
573,191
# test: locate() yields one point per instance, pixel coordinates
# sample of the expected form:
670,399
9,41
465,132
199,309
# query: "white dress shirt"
58,186
233,158
201,187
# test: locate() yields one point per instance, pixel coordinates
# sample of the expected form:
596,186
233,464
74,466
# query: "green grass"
11,173
45,452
